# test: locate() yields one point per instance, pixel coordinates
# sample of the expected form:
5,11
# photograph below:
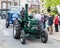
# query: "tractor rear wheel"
16,32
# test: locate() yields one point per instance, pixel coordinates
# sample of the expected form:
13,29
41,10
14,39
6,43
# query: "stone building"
33,4
43,9
4,4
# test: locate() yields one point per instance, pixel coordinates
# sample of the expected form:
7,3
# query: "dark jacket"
50,20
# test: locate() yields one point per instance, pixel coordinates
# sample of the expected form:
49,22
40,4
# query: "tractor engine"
33,24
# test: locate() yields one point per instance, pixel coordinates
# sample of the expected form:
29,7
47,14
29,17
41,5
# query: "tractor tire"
44,36
22,37
16,33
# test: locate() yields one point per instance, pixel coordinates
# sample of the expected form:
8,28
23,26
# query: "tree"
51,3
49,9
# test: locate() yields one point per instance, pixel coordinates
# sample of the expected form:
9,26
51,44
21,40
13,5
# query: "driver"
22,15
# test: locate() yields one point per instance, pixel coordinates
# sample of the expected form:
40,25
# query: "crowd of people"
47,21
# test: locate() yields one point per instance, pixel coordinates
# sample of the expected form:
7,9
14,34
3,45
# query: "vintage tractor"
31,26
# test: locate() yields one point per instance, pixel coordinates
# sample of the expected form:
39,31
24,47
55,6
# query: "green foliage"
54,12
51,3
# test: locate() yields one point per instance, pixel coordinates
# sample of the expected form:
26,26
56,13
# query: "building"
43,9
33,4
4,4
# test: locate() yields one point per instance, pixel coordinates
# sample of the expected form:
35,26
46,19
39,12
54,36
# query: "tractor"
31,26
12,14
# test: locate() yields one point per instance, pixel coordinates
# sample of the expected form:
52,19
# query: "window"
9,4
15,3
4,5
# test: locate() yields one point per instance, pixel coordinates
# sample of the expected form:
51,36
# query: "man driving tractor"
22,15
17,35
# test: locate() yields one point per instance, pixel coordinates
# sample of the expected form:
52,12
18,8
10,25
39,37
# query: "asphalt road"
7,40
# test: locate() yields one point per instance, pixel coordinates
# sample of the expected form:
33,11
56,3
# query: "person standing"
50,23
47,26
45,16
42,21
56,22
59,20
39,17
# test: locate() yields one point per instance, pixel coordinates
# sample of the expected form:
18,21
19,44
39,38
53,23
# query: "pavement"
7,40
55,35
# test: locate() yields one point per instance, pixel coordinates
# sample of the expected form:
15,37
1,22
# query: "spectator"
39,17
50,23
56,23
45,16
59,19
42,20
47,26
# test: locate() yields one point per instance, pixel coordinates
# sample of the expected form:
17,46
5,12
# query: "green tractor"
31,27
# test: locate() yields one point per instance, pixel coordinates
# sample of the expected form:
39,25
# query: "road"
7,40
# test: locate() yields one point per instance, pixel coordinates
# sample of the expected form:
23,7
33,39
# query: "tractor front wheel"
44,36
22,37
